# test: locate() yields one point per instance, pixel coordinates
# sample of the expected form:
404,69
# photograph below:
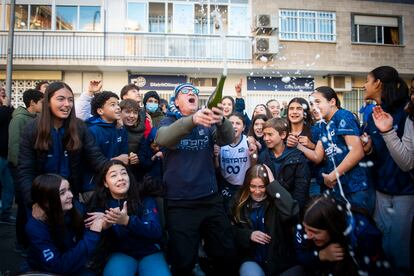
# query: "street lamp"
9,70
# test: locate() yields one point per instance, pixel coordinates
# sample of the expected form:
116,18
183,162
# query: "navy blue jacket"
292,171
45,256
388,177
240,107
113,141
32,162
189,171
142,235
150,167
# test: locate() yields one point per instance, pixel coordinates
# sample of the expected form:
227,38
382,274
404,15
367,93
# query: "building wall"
343,56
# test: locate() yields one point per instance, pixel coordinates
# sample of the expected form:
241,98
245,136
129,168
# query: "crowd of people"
137,185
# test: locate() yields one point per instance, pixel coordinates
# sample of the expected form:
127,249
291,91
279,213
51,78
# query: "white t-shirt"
235,161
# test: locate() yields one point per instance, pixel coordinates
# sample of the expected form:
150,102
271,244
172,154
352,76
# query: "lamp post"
9,70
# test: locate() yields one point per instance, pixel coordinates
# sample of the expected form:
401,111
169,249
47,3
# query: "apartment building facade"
279,49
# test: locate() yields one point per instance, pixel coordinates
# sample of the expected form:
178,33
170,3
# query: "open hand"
332,253
383,120
260,237
117,216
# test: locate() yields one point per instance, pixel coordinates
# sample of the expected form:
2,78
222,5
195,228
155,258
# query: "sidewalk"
9,260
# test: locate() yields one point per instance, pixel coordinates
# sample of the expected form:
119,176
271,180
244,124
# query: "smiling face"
259,109
295,113
326,108
187,103
61,104
272,138
318,236
227,107
274,108
238,127
129,117
257,189
110,111
65,195
117,181
258,127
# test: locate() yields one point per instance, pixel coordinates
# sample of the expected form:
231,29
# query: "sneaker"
8,220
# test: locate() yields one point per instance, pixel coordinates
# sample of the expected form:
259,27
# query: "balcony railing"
125,46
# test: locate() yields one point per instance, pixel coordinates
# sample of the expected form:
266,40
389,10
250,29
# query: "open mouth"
191,100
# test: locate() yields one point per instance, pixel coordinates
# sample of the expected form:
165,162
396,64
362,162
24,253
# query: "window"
89,18
200,82
201,21
40,17
156,17
22,17
136,14
307,25
222,10
66,17
376,29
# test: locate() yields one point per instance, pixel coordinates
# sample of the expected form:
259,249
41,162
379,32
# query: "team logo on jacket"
119,139
48,254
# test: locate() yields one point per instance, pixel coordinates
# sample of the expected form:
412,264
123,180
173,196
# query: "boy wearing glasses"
194,208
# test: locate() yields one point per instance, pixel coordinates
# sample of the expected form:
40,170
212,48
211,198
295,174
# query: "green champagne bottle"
217,95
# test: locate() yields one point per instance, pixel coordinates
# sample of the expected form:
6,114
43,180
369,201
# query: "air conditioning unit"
340,83
267,21
266,45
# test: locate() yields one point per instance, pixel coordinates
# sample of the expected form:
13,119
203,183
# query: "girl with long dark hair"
394,207
59,242
264,214
57,142
300,122
135,231
255,134
339,142
335,241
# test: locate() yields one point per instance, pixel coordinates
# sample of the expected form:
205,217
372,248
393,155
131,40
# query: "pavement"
9,259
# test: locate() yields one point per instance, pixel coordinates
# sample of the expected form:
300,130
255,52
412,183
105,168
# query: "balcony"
106,46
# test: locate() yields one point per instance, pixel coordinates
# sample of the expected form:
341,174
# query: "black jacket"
292,171
5,118
281,213
31,161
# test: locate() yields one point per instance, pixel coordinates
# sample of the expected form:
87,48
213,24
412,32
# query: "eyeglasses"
186,90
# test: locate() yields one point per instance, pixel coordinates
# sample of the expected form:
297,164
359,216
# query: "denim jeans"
394,215
123,265
251,268
7,194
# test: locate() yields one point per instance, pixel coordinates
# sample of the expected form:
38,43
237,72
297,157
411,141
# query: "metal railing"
125,46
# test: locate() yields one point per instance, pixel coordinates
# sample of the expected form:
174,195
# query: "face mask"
151,107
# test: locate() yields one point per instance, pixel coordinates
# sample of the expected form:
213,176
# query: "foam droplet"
304,106
299,226
286,79
277,195
264,59
317,56
370,163
366,259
